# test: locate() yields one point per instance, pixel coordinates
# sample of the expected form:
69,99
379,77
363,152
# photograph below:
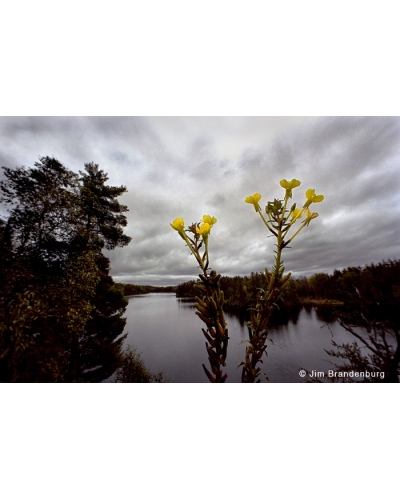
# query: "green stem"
196,254
205,239
278,256
296,233
262,217
284,206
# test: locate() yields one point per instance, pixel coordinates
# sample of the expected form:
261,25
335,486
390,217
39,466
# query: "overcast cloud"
188,167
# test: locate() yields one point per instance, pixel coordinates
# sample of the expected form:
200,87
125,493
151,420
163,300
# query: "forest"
132,289
377,284
61,313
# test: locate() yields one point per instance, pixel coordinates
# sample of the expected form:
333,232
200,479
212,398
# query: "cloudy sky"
188,167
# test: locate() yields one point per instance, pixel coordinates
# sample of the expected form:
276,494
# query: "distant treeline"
131,289
377,283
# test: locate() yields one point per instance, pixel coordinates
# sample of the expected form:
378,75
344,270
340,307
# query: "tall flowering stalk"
279,220
210,300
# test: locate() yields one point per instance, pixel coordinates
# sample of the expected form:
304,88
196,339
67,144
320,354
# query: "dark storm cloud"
188,167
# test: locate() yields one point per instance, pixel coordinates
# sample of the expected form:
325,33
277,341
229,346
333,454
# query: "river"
168,336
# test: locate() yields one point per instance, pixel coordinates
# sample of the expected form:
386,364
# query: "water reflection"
168,335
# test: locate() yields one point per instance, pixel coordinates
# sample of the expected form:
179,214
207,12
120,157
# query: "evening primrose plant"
210,298
284,224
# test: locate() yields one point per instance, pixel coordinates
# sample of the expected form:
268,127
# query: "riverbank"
321,302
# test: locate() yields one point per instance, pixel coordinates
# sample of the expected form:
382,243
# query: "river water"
168,336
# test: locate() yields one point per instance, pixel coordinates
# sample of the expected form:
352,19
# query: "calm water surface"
168,335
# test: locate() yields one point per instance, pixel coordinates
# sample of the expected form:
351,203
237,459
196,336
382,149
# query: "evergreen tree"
101,348
55,280
101,211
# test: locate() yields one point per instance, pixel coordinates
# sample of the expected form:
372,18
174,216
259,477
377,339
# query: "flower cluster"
203,229
199,234
278,213
210,298
278,220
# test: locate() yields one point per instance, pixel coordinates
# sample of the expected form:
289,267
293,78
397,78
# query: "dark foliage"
372,315
241,293
132,289
133,370
378,284
60,311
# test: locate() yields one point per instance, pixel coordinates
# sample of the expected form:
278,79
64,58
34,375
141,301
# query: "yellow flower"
289,186
312,197
309,216
209,220
178,225
204,229
253,200
294,183
296,214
